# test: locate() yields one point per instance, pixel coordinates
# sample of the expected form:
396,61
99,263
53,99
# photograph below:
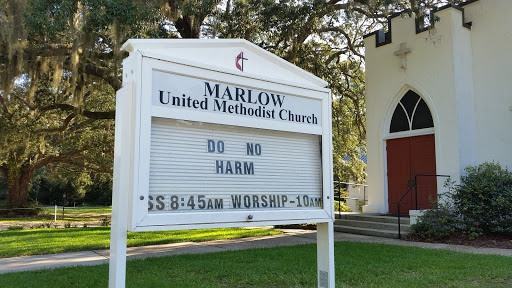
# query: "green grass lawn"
357,265
48,219
81,210
82,214
49,241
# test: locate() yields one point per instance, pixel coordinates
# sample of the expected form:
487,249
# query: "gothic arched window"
411,113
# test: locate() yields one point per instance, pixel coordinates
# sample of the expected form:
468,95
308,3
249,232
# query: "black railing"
340,187
415,186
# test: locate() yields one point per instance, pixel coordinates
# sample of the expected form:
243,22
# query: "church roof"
383,38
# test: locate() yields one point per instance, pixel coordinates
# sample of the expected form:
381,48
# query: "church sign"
219,133
217,149
198,166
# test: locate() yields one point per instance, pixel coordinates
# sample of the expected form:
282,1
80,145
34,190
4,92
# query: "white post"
55,213
325,254
118,232
120,193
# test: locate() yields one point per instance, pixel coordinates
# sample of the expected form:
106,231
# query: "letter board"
213,148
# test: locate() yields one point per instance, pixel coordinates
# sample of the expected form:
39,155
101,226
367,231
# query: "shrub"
105,221
484,199
30,209
33,210
12,228
436,224
342,205
308,226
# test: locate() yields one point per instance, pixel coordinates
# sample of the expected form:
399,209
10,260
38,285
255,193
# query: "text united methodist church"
266,103
438,99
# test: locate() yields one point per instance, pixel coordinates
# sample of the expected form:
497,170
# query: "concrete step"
373,225
374,218
368,231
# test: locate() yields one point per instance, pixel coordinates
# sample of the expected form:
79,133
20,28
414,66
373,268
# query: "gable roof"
222,54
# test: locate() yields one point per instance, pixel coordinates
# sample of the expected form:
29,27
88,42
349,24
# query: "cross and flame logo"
239,62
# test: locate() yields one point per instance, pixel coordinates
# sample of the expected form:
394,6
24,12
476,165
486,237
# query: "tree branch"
355,6
86,167
53,50
60,129
334,56
349,41
360,125
4,106
86,113
25,102
104,73
58,158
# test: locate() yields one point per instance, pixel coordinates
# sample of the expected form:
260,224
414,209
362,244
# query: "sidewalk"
288,238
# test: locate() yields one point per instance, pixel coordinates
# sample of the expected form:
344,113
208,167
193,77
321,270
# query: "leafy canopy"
60,65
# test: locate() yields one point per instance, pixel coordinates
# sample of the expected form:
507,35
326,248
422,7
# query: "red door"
405,158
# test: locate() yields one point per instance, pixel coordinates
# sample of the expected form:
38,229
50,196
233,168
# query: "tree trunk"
185,26
17,187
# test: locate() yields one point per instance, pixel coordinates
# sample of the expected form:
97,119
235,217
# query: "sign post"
204,140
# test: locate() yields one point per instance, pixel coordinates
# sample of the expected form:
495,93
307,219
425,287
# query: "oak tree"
60,65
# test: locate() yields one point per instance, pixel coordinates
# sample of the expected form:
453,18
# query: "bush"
342,205
484,199
30,209
105,221
436,224
14,228
308,226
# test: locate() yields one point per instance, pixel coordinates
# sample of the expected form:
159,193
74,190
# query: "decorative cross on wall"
402,53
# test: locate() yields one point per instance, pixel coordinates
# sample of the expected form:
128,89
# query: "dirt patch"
487,241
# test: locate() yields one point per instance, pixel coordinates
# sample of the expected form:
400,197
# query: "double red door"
405,158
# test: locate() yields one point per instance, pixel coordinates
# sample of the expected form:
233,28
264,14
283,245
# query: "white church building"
438,99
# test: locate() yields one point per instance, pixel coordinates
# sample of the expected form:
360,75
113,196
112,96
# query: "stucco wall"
491,39
438,70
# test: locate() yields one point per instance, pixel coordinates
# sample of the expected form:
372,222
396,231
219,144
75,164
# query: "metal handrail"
414,185
339,192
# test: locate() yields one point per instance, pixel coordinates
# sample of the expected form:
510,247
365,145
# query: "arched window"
411,113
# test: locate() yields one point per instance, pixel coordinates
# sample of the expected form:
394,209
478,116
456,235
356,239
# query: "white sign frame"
133,123
143,111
